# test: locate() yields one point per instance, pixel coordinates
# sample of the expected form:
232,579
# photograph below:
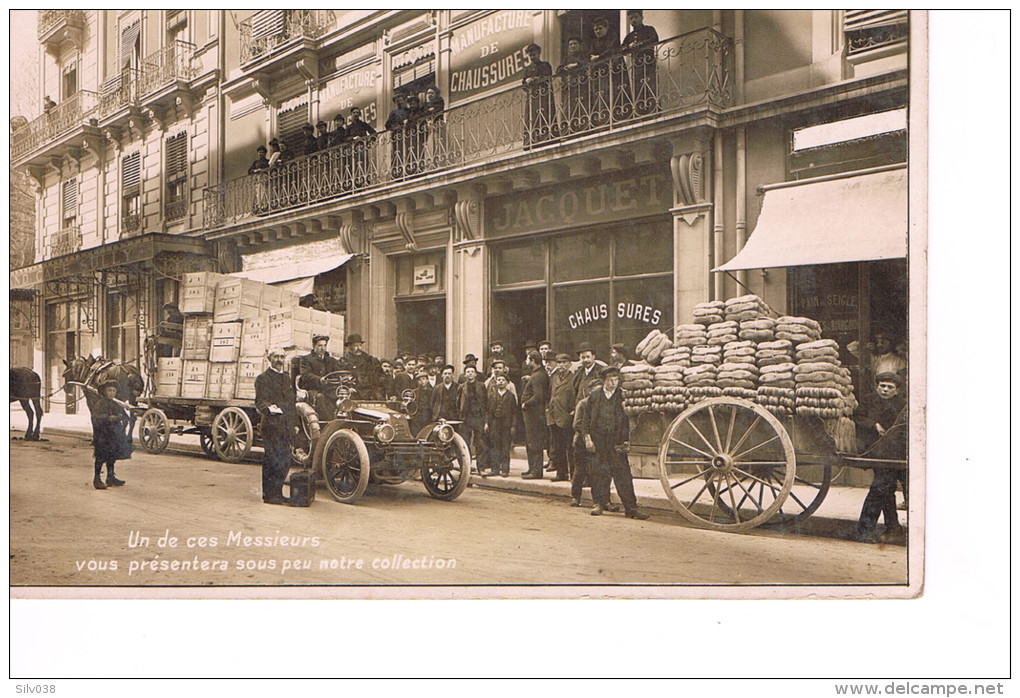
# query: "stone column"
691,170
467,302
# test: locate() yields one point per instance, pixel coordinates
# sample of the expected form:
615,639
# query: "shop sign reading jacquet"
601,201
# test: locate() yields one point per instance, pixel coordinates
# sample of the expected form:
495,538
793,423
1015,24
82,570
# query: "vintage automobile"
371,441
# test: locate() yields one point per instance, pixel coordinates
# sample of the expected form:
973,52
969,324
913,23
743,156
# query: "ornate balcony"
54,128
171,64
674,77
259,39
58,26
64,241
158,86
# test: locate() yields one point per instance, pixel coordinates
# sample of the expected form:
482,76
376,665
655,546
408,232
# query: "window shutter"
267,23
131,172
863,19
289,123
69,197
128,39
177,156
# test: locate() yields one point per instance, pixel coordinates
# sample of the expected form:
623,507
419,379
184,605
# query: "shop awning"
298,277
850,219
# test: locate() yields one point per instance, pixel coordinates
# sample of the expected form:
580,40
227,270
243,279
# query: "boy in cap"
108,436
471,404
606,433
581,475
500,422
881,421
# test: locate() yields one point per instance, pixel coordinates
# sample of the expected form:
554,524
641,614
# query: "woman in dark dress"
608,76
109,441
576,102
539,108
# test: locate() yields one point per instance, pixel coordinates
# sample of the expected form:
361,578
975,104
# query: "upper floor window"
69,202
130,49
177,26
131,192
867,31
176,176
69,80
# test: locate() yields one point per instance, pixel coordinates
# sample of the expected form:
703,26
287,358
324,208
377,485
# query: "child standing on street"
108,436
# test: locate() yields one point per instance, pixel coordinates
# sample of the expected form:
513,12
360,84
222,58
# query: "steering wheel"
409,403
337,377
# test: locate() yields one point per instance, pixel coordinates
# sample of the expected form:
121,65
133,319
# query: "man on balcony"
540,110
355,158
640,44
396,124
608,76
575,87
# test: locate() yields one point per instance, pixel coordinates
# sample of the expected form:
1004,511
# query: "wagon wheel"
727,464
810,485
232,434
154,430
206,442
345,465
446,473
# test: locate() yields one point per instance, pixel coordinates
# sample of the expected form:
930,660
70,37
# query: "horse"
26,388
94,371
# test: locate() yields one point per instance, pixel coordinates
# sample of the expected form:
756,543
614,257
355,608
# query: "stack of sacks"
669,394
824,387
706,354
720,333
771,353
776,384
709,313
677,356
651,347
636,383
742,308
690,335
701,381
762,329
798,330
738,374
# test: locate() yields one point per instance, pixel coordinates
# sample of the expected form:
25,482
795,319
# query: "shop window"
645,250
131,192
640,306
583,313
176,198
584,256
520,263
122,328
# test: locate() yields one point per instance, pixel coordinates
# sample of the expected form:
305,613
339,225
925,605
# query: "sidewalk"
835,517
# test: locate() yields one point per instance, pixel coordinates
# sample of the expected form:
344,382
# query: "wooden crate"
198,291
222,380
292,328
197,337
238,299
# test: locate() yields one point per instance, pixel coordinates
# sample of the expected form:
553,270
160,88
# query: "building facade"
588,202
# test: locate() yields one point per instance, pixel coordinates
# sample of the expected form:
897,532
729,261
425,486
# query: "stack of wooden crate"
168,377
230,323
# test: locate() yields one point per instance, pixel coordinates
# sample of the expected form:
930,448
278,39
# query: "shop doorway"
519,316
421,326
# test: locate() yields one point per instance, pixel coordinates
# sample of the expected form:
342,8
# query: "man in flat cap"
366,368
881,421
588,369
312,367
560,417
606,433
444,397
471,405
534,399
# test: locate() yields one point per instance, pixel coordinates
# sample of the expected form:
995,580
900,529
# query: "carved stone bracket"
115,136
467,219
156,116
689,176
405,224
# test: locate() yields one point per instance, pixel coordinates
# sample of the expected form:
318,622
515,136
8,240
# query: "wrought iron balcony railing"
48,19
171,63
257,41
64,241
73,112
684,73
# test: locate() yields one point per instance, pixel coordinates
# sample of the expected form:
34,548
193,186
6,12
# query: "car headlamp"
384,433
444,432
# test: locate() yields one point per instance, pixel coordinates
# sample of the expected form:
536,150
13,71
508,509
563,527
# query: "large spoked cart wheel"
446,471
727,464
154,430
344,462
232,434
205,440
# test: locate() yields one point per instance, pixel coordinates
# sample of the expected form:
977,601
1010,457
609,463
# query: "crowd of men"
571,407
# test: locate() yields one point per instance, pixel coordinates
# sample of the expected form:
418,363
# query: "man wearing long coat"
276,403
560,417
536,433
